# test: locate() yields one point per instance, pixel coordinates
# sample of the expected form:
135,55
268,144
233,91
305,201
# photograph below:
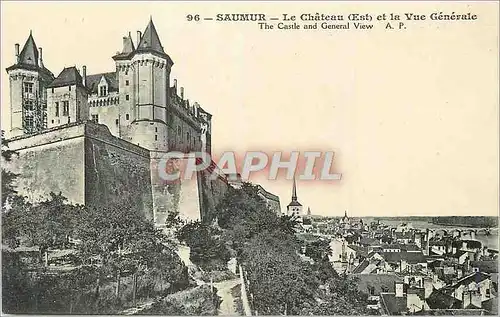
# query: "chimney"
464,245
399,289
84,76
466,297
434,278
182,93
139,35
41,57
17,52
125,41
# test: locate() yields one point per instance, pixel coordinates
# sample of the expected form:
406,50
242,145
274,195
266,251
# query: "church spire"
294,190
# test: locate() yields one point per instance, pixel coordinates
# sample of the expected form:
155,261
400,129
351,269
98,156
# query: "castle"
99,137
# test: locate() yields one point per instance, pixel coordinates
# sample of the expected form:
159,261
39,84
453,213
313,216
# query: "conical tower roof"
29,53
29,59
150,39
128,44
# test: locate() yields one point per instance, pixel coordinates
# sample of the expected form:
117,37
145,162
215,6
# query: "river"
490,241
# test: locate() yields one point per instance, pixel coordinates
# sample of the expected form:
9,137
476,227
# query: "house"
405,237
375,284
477,285
402,301
405,261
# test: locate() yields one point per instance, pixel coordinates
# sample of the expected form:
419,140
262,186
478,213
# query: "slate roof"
486,266
294,203
29,53
369,241
440,300
378,281
409,257
437,242
361,267
68,76
393,305
477,277
404,235
404,247
471,244
458,254
28,59
150,41
92,82
359,250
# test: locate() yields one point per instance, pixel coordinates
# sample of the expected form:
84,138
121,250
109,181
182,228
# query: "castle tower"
28,79
67,98
144,77
294,207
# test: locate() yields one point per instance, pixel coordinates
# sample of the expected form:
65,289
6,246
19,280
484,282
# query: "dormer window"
103,91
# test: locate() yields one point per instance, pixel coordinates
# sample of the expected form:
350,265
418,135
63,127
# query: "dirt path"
227,307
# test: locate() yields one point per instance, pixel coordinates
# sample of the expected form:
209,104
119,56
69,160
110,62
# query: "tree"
123,240
8,177
208,250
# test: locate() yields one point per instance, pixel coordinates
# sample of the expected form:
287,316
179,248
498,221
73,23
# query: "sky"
412,115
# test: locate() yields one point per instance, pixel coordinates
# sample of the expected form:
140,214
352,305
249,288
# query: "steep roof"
393,305
440,300
369,241
92,81
378,281
477,277
28,59
487,266
29,53
128,48
409,257
150,41
68,76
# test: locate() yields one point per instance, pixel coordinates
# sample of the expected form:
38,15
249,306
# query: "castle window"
102,91
156,129
95,118
116,121
65,108
28,105
28,123
52,90
69,88
127,116
57,109
28,88
156,137
127,97
126,83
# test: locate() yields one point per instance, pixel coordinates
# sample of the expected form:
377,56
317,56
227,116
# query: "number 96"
191,17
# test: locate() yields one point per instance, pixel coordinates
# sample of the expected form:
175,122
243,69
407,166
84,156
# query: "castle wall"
85,163
52,161
194,198
211,192
116,170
